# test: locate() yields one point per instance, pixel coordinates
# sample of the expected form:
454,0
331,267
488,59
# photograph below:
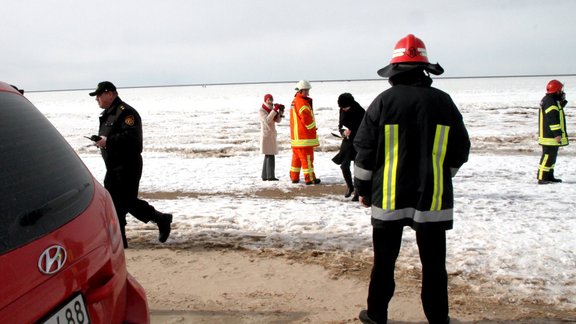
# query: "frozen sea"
510,235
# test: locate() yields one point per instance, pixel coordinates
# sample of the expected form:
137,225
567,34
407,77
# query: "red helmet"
410,49
409,53
554,86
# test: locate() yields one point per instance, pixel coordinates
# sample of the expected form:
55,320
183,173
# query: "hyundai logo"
52,260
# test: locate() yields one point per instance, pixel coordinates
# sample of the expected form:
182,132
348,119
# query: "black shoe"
364,318
445,321
315,181
555,180
349,192
355,198
544,182
163,221
273,179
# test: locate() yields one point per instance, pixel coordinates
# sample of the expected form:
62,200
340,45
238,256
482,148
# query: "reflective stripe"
302,109
548,142
542,168
411,213
295,125
551,108
310,170
293,169
390,167
362,174
438,155
304,142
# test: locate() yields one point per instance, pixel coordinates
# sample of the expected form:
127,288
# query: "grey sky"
71,44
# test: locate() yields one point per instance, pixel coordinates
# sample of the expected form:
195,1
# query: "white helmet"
303,84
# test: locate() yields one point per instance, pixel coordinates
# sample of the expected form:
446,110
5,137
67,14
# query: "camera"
280,108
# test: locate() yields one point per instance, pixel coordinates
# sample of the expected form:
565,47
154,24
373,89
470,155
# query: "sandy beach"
191,283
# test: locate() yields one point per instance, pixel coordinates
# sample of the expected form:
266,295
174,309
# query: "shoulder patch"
129,120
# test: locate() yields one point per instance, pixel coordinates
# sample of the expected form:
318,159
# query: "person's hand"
347,132
102,142
364,202
558,139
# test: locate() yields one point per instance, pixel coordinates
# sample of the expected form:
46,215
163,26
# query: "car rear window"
43,183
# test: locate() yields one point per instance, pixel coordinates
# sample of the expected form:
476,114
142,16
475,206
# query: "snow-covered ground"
202,144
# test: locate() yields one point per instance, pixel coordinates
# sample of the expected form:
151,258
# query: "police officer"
552,130
120,142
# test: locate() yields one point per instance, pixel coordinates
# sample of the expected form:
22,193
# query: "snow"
202,145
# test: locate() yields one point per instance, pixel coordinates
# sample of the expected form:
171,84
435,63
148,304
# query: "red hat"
268,96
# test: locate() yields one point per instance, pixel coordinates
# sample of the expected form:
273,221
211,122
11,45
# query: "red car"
61,254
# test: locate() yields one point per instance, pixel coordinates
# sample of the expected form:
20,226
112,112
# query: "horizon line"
320,81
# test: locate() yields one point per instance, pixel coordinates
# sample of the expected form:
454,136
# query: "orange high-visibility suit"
303,138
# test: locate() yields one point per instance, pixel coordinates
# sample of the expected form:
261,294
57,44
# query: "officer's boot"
163,221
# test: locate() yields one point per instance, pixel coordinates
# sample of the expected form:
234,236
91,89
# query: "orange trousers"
302,159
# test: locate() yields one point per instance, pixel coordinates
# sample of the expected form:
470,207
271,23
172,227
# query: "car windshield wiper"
31,217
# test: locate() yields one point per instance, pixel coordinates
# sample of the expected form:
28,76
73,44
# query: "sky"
68,44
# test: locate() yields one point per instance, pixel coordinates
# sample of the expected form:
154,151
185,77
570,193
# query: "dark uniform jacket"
122,126
552,122
350,119
410,143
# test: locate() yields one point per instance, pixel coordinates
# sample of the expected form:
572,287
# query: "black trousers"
268,167
432,250
123,182
547,162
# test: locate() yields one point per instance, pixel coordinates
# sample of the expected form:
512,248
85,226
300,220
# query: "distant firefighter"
551,130
303,137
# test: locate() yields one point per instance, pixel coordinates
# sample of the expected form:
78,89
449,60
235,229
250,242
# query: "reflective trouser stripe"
390,167
543,168
438,155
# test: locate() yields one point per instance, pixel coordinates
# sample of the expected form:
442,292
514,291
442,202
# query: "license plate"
73,312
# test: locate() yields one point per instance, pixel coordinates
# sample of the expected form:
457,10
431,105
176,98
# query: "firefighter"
410,144
303,137
120,143
552,130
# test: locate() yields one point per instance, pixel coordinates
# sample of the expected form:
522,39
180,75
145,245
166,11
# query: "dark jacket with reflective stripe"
552,122
410,143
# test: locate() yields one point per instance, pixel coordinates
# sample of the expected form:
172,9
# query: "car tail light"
113,228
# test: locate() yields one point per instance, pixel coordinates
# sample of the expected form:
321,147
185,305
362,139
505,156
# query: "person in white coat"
270,114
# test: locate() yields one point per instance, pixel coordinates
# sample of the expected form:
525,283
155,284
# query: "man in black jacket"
351,114
410,144
120,143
